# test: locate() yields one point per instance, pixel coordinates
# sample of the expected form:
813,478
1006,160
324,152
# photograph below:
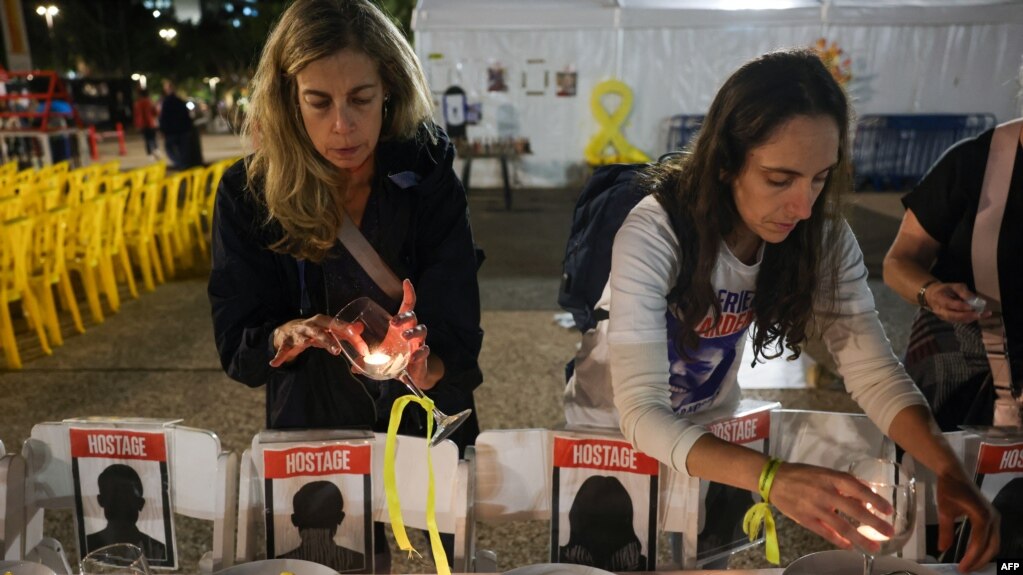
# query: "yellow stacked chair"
15,237
114,248
96,221
48,268
84,252
140,232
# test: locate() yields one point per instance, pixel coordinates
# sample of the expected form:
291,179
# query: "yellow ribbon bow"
761,513
391,488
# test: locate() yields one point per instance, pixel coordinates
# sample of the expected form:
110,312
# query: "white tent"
905,56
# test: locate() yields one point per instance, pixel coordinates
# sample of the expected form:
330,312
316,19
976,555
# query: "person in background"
340,116
176,125
144,114
748,220
930,264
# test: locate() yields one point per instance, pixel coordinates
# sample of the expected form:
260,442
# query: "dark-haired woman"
741,233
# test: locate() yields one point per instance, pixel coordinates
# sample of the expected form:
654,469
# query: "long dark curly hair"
795,290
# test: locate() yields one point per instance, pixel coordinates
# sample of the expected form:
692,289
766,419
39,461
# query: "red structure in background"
54,90
37,106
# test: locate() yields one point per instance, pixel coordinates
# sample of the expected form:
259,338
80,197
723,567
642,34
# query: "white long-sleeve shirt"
655,390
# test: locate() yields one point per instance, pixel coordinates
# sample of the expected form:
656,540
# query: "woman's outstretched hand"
824,501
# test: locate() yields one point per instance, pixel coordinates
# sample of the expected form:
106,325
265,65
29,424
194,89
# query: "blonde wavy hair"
301,189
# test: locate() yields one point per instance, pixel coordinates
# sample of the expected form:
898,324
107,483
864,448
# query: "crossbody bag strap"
369,259
984,254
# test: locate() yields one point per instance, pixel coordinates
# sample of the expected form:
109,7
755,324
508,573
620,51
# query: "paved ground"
156,357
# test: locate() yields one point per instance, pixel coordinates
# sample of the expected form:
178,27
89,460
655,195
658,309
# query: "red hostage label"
118,444
326,460
1000,458
746,429
603,454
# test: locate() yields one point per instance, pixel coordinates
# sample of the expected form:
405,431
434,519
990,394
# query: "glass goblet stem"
868,564
411,385
446,424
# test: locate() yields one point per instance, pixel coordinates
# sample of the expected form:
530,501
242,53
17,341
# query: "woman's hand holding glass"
385,347
897,487
824,501
325,332
406,328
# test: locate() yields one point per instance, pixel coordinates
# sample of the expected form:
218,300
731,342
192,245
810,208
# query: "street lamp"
49,12
168,34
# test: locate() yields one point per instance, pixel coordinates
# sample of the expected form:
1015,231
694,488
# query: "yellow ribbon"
610,124
761,513
391,487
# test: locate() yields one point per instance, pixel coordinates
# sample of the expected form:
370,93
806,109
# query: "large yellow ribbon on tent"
610,134
440,558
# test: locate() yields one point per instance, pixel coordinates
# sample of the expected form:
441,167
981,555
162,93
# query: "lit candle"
871,533
376,358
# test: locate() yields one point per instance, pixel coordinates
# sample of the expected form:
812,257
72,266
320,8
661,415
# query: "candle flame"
376,358
871,533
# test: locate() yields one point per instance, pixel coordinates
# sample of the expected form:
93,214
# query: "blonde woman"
340,121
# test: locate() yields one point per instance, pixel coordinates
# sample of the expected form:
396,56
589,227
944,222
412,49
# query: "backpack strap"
984,253
369,259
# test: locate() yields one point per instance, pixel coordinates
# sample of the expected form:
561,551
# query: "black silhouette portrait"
725,508
318,512
601,532
1009,503
120,496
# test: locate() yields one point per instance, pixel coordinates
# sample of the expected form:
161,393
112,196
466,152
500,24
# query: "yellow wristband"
761,513
767,478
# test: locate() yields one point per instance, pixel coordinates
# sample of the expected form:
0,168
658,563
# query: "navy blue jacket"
423,233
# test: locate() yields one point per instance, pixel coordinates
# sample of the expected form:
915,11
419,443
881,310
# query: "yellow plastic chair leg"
146,268
167,248
7,336
106,277
128,273
91,293
32,310
49,309
154,259
70,302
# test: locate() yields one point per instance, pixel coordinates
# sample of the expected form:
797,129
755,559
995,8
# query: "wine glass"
116,559
896,486
384,355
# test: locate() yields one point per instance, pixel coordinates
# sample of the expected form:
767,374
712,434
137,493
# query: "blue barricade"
681,128
892,152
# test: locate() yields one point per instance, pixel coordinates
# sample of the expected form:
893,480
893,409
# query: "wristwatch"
920,299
